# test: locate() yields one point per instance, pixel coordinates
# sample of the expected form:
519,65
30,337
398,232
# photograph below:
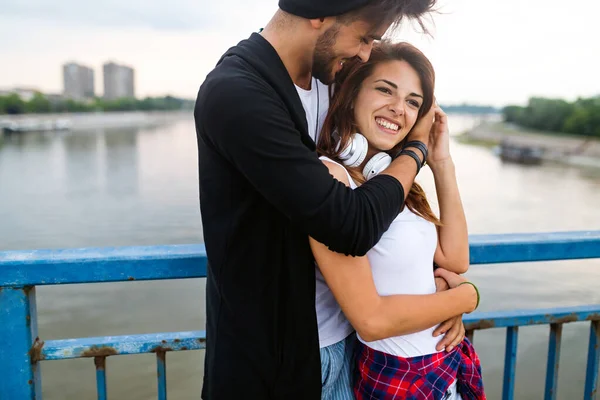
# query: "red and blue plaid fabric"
383,376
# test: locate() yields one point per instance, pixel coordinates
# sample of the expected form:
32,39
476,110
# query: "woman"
389,295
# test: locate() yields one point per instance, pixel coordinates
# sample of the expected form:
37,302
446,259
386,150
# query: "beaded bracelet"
476,291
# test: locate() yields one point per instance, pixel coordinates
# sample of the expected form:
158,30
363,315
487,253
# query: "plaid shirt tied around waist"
384,376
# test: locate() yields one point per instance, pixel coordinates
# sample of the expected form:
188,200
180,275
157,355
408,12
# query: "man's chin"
326,80
324,74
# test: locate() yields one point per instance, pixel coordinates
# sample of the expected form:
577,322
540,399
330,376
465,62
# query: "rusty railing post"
20,376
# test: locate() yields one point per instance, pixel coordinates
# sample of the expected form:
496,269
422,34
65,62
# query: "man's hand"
453,328
441,284
455,333
452,278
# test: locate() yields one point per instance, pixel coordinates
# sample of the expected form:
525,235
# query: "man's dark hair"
376,12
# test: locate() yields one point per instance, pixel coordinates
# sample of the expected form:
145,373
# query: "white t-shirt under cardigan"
333,325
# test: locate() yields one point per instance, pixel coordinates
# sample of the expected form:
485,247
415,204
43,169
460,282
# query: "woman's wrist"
441,165
471,294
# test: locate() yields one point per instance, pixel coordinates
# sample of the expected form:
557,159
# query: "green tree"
585,119
512,114
147,104
39,104
122,104
581,117
13,104
546,114
70,105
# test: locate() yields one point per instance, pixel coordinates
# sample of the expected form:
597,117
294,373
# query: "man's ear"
322,23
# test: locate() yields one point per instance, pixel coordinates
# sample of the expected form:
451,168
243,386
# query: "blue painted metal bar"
120,345
487,249
52,267
161,367
507,318
20,378
116,264
100,377
553,360
510,363
591,375
20,270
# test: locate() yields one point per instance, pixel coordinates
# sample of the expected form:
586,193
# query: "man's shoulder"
232,80
232,73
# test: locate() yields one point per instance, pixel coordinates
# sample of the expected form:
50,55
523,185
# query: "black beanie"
320,8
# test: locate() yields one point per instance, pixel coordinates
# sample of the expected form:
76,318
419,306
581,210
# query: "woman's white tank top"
402,263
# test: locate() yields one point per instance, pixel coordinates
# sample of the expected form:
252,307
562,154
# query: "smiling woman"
388,108
389,296
399,82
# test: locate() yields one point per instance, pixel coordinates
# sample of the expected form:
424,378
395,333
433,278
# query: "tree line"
581,117
40,104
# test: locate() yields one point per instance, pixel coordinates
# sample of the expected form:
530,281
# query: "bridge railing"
21,350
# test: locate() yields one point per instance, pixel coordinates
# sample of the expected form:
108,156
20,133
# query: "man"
263,191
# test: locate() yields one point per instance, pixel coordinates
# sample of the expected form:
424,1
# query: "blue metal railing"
22,271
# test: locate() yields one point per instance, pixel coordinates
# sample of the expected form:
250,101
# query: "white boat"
32,125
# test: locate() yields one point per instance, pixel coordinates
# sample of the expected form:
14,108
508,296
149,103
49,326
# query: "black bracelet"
414,156
419,145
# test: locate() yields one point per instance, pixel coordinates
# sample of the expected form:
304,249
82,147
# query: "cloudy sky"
485,51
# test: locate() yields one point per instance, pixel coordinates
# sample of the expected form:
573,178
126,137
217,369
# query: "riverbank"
95,120
567,149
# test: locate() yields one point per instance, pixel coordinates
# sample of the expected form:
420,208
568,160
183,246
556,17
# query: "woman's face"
387,105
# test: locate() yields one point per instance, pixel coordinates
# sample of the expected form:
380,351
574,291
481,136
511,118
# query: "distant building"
78,81
118,81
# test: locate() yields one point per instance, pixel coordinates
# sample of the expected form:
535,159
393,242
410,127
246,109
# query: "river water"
138,186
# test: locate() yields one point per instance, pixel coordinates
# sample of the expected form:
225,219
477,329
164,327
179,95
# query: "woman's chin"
382,146
389,146
384,149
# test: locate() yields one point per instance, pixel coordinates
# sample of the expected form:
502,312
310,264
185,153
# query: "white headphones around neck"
355,153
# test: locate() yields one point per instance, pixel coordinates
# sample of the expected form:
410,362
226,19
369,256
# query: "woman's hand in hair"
422,129
439,140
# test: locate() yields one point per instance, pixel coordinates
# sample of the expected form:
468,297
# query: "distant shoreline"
103,119
567,149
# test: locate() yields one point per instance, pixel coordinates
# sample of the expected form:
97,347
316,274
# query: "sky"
493,52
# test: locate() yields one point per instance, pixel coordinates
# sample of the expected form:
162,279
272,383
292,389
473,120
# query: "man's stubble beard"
323,59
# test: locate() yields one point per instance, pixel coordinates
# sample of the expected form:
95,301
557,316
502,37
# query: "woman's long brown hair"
340,118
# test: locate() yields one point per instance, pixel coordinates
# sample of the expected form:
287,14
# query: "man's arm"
250,126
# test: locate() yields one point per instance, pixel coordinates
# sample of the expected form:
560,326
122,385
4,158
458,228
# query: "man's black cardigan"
263,191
